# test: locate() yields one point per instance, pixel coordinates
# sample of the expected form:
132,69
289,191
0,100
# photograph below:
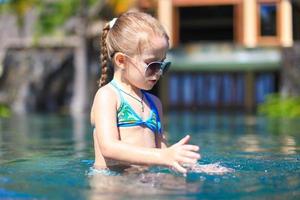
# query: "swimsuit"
127,117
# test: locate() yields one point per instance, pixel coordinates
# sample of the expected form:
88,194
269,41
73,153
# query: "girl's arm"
105,106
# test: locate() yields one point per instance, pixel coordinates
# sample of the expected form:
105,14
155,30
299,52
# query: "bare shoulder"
105,93
106,98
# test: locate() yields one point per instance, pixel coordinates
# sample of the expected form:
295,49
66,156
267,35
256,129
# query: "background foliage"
51,14
277,106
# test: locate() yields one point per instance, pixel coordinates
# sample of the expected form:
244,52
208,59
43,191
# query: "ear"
119,59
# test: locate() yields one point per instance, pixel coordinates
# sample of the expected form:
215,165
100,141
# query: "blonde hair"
130,34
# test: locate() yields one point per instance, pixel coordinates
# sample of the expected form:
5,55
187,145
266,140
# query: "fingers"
179,168
187,160
190,147
188,151
184,140
190,154
182,152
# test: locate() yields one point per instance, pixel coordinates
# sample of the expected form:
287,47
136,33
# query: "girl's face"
137,74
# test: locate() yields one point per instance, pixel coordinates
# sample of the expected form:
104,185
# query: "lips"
153,81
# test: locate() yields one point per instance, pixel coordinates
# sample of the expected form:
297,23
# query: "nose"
160,72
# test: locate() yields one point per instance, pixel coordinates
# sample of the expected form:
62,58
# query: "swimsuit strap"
152,104
153,109
115,85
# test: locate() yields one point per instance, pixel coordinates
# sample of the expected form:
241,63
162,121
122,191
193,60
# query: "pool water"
50,157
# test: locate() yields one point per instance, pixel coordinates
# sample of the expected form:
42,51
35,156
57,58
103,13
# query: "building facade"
251,23
226,53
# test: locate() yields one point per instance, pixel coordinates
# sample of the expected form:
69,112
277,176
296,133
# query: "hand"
181,153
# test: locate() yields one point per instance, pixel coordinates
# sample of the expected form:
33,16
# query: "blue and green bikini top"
127,117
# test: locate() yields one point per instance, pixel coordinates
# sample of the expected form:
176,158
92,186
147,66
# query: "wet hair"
130,34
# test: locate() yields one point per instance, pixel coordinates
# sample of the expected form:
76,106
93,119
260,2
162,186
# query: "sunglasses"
155,67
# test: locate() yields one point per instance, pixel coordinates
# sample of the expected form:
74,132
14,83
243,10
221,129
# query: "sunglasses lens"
166,67
153,68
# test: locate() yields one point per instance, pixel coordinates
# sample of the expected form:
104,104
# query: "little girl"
128,120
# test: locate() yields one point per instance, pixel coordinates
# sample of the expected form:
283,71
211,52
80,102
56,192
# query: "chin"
148,87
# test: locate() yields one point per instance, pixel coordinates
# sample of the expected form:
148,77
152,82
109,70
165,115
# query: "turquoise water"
49,157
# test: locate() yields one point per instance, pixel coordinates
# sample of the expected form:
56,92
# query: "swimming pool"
49,157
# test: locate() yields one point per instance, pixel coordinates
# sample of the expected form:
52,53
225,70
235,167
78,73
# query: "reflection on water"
42,153
248,133
49,157
250,143
139,185
22,135
289,145
79,128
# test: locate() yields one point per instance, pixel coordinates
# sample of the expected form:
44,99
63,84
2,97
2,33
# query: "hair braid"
104,57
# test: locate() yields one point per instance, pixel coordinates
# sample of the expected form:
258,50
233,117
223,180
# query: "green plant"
52,14
4,111
55,14
277,106
18,7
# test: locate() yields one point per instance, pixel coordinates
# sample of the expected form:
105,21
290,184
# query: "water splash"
212,169
92,171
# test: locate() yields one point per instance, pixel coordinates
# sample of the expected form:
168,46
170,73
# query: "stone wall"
290,84
37,79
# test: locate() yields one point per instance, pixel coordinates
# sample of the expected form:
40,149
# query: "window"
206,23
296,20
268,23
